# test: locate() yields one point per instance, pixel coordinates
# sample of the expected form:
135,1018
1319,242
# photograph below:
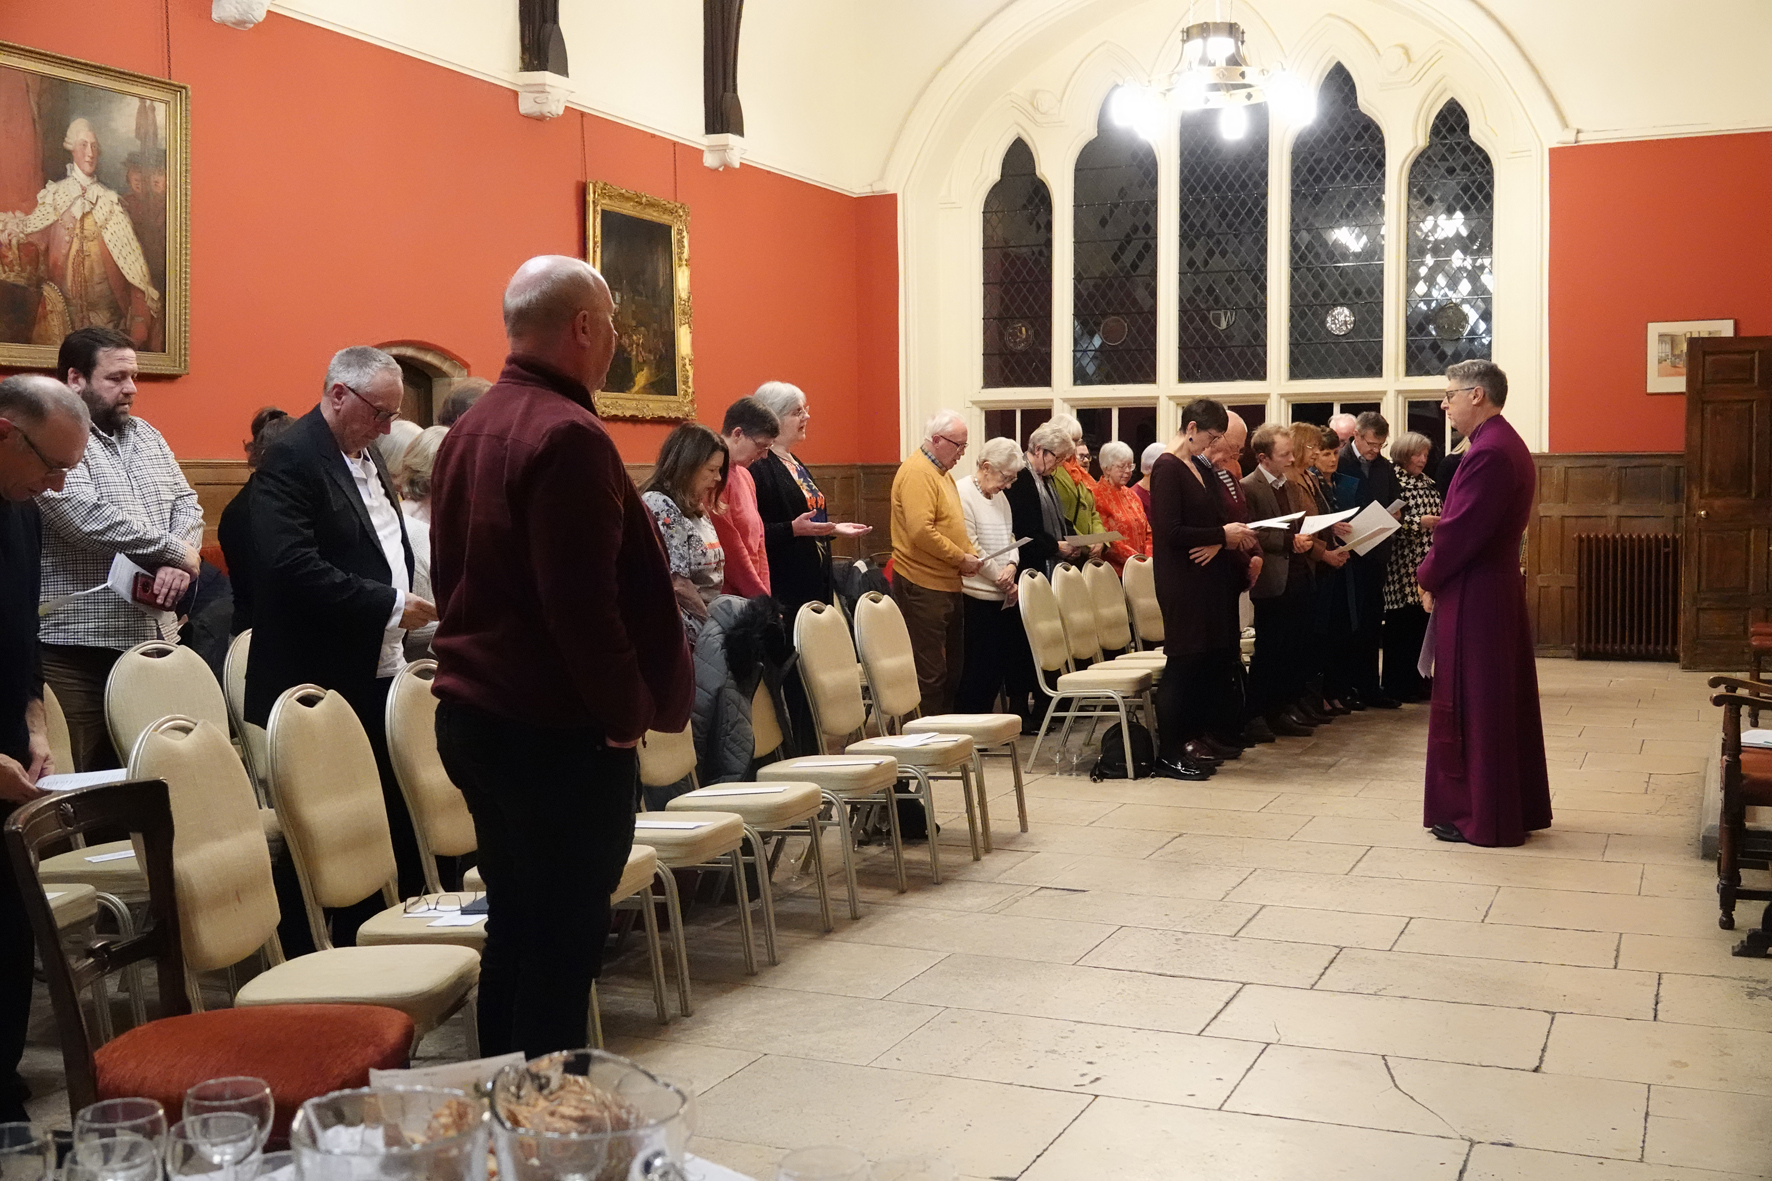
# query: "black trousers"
554,814
1404,630
1279,666
1200,693
16,964
1368,633
996,651
1333,622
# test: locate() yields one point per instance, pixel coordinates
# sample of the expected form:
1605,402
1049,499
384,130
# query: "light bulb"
1192,52
1219,48
1233,121
1123,107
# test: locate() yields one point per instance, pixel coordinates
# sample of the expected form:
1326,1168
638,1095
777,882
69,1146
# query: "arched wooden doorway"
428,374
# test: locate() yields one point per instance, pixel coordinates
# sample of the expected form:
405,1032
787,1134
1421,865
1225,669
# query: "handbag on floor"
1112,763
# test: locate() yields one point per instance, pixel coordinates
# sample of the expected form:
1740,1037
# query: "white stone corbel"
723,151
238,14
542,94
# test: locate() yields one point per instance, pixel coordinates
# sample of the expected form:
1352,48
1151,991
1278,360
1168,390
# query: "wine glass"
222,1141
118,1156
26,1154
110,1117
823,1162
241,1093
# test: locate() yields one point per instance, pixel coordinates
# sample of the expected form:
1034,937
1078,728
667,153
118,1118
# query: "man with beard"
126,496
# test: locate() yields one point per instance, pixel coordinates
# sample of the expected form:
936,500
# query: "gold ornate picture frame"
95,184
641,245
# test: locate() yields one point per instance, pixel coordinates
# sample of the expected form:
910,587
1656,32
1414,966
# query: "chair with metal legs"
1117,690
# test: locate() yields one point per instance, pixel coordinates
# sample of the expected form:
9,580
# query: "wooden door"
1728,519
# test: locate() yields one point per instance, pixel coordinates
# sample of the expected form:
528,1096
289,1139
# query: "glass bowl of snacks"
585,1115
391,1134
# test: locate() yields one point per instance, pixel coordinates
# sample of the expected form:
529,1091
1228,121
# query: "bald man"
43,432
558,648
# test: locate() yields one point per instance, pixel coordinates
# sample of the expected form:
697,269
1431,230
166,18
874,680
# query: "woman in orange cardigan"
1119,507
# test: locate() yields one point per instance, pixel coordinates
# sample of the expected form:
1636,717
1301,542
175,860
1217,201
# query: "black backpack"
1112,763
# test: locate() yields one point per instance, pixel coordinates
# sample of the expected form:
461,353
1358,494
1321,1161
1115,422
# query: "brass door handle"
1704,514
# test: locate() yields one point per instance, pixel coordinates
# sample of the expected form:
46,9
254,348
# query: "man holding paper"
1282,594
1366,479
43,431
1486,778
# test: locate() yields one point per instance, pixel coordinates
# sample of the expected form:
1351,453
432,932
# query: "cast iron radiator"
1627,591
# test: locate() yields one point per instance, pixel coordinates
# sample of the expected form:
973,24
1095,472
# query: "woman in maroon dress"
1190,534
1486,779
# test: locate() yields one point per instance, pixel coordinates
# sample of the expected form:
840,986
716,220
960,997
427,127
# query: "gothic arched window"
1018,275
1451,274
1114,260
1337,322
1223,249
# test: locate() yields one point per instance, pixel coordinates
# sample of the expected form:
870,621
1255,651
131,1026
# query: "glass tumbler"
222,1146
141,1117
390,1134
586,1115
26,1153
120,1156
251,1096
823,1162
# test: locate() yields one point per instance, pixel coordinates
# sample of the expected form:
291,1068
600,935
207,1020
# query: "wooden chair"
1747,783
301,1050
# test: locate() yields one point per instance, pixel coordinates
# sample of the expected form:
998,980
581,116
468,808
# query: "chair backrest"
153,680
440,816
221,866
250,735
54,822
1077,610
666,757
1041,621
329,800
829,671
1139,578
1245,611
886,656
766,732
61,746
1113,629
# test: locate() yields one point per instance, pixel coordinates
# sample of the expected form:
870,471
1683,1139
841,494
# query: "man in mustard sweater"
930,554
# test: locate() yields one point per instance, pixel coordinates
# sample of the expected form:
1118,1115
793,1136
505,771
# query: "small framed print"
1667,350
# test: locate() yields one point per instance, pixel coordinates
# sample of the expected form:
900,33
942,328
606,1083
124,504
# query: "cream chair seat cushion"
72,904
121,875
714,835
394,926
426,982
842,775
983,729
940,754
1103,678
635,876
763,805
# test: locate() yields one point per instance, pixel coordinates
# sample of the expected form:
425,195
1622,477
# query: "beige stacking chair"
115,876
1115,688
251,738
440,816
227,904
1113,623
1077,600
61,746
884,644
832,676
1139,579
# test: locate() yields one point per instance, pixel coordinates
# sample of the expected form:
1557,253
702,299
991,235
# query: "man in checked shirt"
127,496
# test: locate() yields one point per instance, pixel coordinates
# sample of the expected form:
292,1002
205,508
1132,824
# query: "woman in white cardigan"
997,655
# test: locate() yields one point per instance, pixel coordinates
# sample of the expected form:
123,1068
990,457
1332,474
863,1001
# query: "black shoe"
1311,715
1448,832
1296,718
1186,771
1200,751
1383,702
1352,703
1336,708
1257,731
1285,727
1222,749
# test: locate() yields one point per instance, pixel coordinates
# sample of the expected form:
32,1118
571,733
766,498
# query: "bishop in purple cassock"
1486,779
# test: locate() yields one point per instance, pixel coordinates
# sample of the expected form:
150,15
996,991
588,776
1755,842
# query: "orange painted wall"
343,194
1666,229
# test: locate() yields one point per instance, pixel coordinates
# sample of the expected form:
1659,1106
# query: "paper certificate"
1277,522
994,554
1371,526
1083,540
1319,523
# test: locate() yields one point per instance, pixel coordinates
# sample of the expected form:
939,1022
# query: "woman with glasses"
1405,622
1119,506
685,485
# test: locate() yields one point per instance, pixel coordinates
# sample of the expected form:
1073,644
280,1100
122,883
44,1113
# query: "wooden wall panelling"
215,481
1599,493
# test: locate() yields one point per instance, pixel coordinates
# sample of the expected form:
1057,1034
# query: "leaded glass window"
1337,327
1114,320
1018,275
1451,297
1223,249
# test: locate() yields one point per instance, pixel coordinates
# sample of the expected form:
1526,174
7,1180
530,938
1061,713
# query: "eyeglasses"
382,417
1463,389
54,469
954,443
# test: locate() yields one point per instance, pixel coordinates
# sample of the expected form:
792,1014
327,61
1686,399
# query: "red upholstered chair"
1747,783
301,1050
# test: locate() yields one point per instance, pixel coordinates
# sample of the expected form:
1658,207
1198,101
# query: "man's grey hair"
1112,452
547,292
1486,374
1373,423
1149,459
30,399
357,366
1343,422
1002,456
1408,445
1055,437
781,397
1070,425
942,422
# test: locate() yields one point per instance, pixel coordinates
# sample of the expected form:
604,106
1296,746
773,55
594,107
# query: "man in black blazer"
334,590
1370,478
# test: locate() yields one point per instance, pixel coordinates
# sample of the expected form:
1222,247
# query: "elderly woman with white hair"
1036,515
1142,489
931,554
1119,506
995,641
1405,620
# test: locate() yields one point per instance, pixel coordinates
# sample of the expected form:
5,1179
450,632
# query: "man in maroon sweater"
558,646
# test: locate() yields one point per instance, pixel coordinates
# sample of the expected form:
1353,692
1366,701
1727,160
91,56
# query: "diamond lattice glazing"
1114,322
1223,250
1450,299
1018,275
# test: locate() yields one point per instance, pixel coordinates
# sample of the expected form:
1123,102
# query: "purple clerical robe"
1485,745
